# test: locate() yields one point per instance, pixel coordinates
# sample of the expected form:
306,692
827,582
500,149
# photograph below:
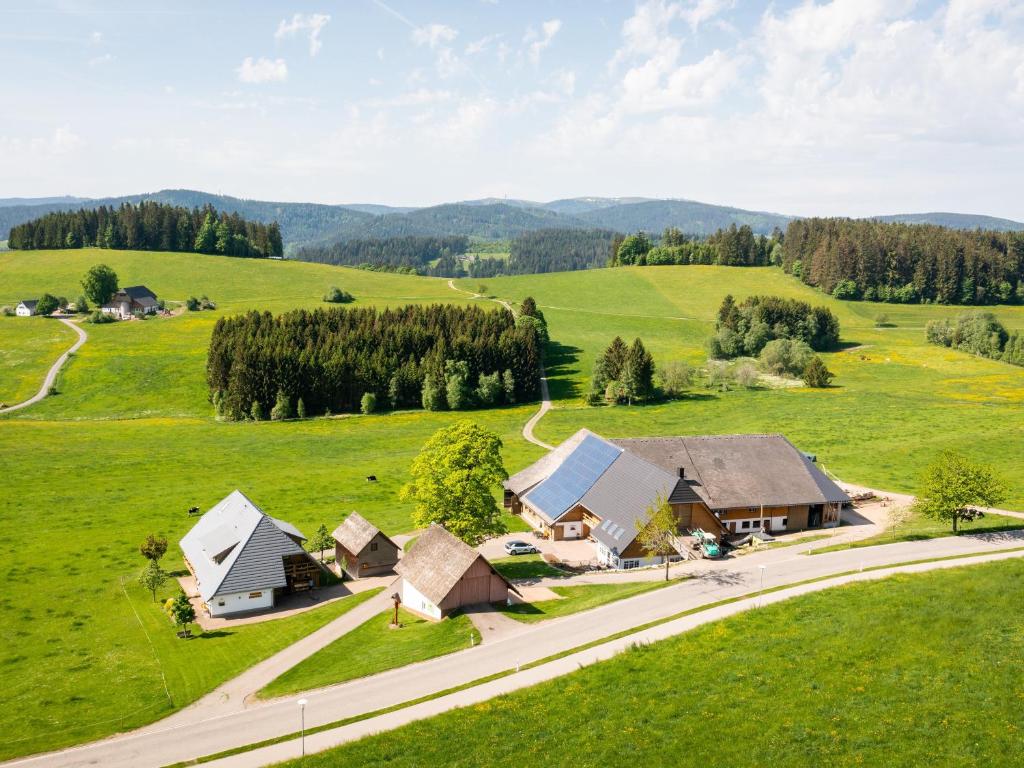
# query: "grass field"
579,598
28,347
130,442
891,673
374,647
918,528
525,567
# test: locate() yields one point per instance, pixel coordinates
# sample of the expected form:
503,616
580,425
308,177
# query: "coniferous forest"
437,357
149,226
409,253
905,263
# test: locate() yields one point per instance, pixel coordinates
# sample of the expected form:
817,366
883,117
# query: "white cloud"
313,23
99,61
699,11
477,47
262,70
539,40
96,38
434,35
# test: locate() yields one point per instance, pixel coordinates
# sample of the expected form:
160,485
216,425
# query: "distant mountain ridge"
488,218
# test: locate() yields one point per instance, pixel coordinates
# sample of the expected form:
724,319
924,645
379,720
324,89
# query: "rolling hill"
956,221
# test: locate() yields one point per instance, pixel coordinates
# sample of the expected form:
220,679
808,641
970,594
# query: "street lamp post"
302,724
760,597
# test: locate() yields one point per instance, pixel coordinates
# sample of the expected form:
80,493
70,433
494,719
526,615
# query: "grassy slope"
28,347
373,647
69,467
918,528
803,682
579,598
897,400
525,567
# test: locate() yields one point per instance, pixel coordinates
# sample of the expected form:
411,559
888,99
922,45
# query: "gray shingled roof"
541,469
138,292
235,547
30,303
355,533
730,471
437,561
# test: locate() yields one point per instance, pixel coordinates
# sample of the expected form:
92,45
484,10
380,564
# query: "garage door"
476,590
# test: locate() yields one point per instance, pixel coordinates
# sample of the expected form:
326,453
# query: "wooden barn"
441,573
360,549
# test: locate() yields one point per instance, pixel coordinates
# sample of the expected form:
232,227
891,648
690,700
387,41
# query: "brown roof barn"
441,573
361,549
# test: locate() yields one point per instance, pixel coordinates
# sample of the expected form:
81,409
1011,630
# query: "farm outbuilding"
361,549
441,573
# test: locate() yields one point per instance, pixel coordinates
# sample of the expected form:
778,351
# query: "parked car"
517,547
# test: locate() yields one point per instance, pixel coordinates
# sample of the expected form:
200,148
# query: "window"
254,595
629,564
746,523
373,546
785,522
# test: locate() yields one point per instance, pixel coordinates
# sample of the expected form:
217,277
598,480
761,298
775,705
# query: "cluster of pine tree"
411,253
732,247
150,226
623,374
327,360
905,263
979,333
745,328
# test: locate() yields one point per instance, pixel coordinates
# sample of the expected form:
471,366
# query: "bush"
882,321
745,375
847,290
282,408
7,311
368,403
300,409
489,390
785,356
816,374
719,375
338,296
101,318
258,412
192,304
81,305
674,378
47,304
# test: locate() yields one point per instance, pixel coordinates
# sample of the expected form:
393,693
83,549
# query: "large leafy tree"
99,284
453,481
953,488
153,548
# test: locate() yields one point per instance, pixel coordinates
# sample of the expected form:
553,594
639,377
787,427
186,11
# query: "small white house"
131,301
242,558
26,308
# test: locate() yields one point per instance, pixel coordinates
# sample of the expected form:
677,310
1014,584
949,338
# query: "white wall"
22,311
415,600
241,601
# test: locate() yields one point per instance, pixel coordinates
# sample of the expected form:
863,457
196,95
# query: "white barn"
242,558
26,308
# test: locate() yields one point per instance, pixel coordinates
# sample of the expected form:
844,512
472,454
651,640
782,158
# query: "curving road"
51,375
203,733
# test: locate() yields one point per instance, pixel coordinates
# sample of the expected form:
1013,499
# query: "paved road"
51,375
187,738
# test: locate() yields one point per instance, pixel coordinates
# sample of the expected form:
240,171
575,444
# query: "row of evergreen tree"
979,333
409,253
438,356
745,328
732,247
905,263
623,374
149,226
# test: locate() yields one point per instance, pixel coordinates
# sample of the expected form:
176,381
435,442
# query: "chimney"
682,473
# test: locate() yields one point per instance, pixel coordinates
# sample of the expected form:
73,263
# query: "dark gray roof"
30,303
622,497
729,471
571,479
138,292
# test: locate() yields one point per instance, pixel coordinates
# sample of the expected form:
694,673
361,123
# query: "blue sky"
844,107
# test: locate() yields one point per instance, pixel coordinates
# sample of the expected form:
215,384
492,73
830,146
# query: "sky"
852,107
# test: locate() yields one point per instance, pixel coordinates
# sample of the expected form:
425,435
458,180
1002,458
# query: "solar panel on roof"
567,484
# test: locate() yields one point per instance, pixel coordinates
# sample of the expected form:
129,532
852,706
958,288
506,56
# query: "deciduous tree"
658,531
99,284
953,488
153,548
153,577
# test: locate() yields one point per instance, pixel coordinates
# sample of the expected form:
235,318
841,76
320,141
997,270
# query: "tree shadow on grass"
560,364
212,635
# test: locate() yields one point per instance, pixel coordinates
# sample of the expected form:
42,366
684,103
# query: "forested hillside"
149,226
689,216
410,253
905,263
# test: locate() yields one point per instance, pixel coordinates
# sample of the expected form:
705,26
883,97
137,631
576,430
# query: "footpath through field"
51,375
183,738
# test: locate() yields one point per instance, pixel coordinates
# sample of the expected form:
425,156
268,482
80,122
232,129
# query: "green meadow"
28,347
129,443
892,673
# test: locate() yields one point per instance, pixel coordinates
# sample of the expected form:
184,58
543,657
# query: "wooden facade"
379,556
479,584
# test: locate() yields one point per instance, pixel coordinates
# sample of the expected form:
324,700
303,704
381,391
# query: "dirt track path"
51,375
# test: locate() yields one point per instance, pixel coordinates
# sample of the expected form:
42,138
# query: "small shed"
26,308
441,573
361,549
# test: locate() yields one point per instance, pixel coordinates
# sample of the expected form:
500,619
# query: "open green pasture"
374,647
578,598
28,347
891,673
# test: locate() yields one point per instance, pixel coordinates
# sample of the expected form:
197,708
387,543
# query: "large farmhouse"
131,301
361,549
598,489
242,558
441,573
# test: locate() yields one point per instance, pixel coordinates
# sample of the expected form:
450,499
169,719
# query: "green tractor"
708,546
